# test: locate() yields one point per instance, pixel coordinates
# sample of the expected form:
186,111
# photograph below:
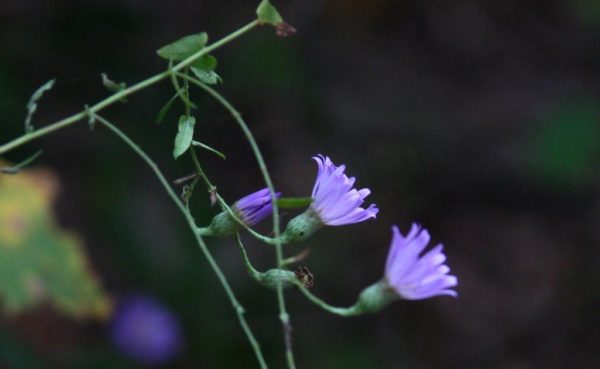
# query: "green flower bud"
302,226
221,225
272,277
374,298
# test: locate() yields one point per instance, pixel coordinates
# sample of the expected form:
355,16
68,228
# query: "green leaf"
165,109
17,168
208,77
293,202
208,148
206,62
32,104
184,47
183,140
40,262
267,14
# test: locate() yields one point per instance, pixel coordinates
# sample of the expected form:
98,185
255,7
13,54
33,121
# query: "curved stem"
188,216
283,315
126,92
341,311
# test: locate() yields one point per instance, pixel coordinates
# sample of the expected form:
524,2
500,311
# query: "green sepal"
222,225
302,226
273,277
374,298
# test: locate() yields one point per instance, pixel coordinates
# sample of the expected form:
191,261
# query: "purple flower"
335,201
413,274
143,329
255,207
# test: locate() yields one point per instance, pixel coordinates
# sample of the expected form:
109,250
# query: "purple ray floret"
413,274
255,207
335,200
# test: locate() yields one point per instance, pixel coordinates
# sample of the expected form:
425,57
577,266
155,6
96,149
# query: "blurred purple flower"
145,330
255,207
416,277
335,201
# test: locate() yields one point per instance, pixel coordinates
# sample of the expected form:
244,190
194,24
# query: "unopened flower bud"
374,298
302,226
272,277
250,209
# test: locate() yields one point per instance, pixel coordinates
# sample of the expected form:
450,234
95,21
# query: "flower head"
255,207
143,329
413,274
335,201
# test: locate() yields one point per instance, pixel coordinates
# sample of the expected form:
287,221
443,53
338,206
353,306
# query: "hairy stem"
188,216
283,315
124,93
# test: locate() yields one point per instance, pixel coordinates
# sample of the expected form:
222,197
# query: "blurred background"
478,119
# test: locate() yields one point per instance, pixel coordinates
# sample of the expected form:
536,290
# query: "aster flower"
413,274
145,330
335,200
255,207
251,209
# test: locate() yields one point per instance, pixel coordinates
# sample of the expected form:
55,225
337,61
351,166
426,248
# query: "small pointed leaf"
17,168
208,148
267,14
32,104
165,109
184,47
208,77
183,140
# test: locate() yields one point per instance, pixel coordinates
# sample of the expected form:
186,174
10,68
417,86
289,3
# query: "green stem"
341,311
124,93
283,315
188,216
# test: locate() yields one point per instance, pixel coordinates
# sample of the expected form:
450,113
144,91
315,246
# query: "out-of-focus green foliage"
38,261
566,147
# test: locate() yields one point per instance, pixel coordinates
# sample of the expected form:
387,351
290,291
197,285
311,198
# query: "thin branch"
283,315
118,96
192,224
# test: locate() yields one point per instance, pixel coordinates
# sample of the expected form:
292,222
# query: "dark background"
479,119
